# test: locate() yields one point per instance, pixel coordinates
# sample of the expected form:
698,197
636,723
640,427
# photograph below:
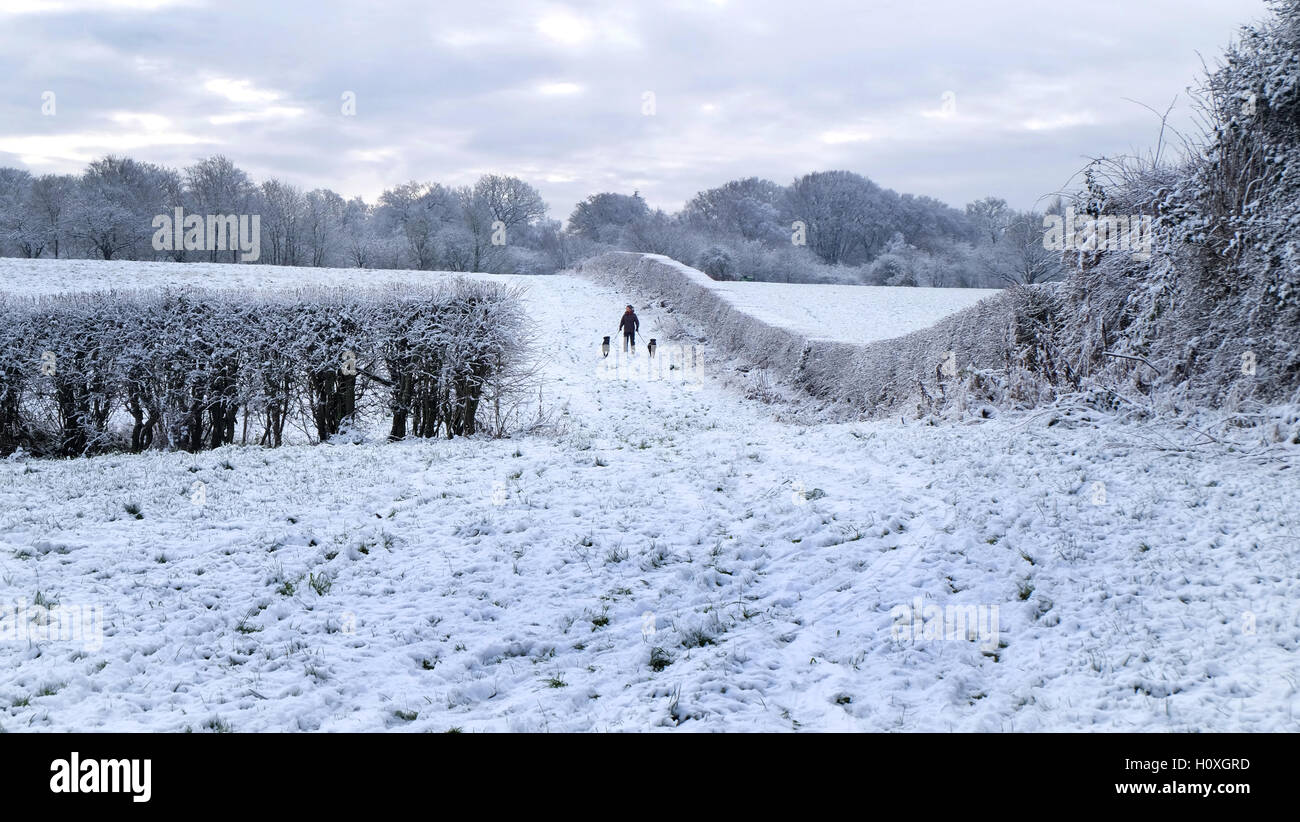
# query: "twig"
365,373
1130,357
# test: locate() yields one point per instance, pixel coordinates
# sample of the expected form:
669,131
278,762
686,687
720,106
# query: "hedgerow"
194,368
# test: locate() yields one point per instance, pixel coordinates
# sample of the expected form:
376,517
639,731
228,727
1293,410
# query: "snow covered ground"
674,557
35,277
850,313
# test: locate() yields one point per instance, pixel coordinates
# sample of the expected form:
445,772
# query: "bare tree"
509,199
217,186
323,218
990,217
50,200
414,213
282,208
357,229
17,223
116,202
1020,257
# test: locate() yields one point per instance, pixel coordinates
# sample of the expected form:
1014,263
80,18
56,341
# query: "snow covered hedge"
193,368
1212,317
986,353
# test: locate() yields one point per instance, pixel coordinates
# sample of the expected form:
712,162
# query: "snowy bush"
1214,313
717,262
193,368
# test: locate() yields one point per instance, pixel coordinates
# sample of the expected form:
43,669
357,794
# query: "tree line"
829,226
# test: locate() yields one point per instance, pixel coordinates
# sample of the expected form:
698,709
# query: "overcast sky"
956,99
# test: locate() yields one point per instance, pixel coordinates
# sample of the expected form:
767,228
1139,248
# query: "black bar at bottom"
301,771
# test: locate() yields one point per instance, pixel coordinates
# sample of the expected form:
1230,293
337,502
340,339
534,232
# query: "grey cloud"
444,92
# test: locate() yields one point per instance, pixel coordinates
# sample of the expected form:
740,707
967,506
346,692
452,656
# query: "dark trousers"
629,338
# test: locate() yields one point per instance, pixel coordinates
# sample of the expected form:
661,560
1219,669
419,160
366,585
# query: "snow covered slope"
850,313
674,558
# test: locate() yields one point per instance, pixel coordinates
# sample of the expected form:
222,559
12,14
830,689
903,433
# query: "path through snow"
675,559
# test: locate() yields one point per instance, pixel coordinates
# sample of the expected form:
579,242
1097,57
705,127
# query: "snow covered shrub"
1215,312
180,368
485,332
1035,363
752,260
417,354
269,377
76,346
14,373
194,355
717,262
897,265
513,259
329,342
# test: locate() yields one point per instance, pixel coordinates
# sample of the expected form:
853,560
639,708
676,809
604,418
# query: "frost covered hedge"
194,368
994,349
1213,316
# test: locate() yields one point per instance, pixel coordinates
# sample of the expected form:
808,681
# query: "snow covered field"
850,313
673,558
34,277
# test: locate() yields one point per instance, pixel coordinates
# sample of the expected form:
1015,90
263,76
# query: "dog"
604,347
650,347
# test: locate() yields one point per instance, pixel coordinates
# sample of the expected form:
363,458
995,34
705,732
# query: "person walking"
629,325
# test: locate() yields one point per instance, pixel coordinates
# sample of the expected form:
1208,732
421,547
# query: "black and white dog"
650,347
